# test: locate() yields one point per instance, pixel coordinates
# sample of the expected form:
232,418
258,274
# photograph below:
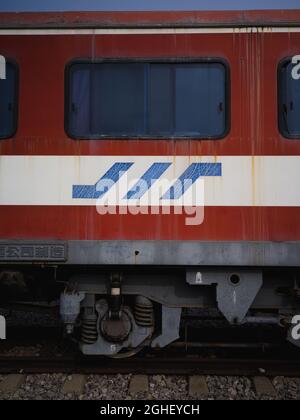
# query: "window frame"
16,101
281,129
184,60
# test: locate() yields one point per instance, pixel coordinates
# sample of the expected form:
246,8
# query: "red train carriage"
151,162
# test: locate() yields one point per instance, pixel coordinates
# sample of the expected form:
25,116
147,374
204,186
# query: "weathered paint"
262,181
253,57
145,31
83,223
134,19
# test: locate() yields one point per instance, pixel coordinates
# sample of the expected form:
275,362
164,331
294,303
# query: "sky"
129,5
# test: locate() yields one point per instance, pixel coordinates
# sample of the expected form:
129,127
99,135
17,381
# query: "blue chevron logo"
147,180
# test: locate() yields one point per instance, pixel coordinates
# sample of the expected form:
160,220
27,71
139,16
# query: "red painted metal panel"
84,223
192,18
253,59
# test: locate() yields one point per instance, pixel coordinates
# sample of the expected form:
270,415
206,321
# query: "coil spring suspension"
89,333
143,312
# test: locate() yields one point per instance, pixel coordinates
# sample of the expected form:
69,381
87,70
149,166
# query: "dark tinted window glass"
289,96
161,100
8,104
118,102
147,99
200,99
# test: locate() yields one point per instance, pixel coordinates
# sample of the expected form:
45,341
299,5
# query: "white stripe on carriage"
149,31
244,181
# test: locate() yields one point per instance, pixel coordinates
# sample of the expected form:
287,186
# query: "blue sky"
122,5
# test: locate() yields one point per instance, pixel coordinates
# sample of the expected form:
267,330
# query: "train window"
8,102
147,99
289,101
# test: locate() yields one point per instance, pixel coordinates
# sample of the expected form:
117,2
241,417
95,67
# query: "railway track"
34,363
169,365
38,350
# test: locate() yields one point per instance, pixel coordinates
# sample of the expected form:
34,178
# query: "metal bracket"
170,327
236,290
115,300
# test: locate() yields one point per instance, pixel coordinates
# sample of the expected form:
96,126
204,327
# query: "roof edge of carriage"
167,19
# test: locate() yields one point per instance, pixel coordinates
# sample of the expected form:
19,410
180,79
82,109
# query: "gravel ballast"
161,387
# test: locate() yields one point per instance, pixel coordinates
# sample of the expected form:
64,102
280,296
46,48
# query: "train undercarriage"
117,312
